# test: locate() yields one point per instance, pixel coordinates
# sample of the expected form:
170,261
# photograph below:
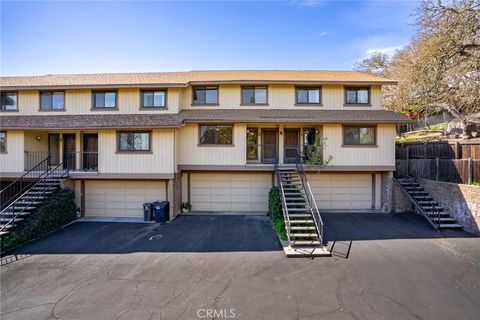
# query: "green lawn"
433,132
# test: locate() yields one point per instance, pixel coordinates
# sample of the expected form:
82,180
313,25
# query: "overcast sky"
87,37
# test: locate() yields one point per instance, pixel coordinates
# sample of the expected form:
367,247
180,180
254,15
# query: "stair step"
27,202
5,226
299,215
451,226
428,202
9,219
305,243
38,192
423,197
303,228
10,213
297,209
417,192
304,235
441,214
430,208
444,219
3,232
34,197
301,222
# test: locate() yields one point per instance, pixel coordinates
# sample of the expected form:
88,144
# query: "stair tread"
451,225
304,235
303,228
9,219
299,215
301,221
305,242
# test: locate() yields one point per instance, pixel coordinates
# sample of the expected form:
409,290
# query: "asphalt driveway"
233,266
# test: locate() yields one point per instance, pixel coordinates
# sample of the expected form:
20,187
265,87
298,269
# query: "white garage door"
230,191
121,198
342,191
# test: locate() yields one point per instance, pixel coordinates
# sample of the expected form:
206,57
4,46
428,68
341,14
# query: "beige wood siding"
342,191
230,191
159,160
80,102
189,151
121,198
283,97
381,155
13,159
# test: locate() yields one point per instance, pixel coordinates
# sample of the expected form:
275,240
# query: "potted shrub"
186,207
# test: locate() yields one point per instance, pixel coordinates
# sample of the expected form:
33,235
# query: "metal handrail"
286,218
312,204
16,188
435,225
49,173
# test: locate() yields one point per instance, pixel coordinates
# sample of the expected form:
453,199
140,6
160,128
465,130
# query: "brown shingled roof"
103,121
303,116
151,121
169,79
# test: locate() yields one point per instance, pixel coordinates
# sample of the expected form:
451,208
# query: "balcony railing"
310,155
86,161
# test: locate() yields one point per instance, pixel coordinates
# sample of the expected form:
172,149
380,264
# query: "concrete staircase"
303,233
18,209
426,205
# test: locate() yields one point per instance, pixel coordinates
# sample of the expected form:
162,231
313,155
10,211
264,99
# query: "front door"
69,155
269,145
292,146
90,152
53,148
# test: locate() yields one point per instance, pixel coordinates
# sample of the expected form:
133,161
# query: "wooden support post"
437,162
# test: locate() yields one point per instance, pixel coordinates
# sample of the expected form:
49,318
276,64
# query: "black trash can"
147,212
160,211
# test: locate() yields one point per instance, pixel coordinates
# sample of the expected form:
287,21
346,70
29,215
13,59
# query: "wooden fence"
439,149
463,171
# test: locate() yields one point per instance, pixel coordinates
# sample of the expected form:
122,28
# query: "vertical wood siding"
189,152
80,102
381,155
283,97
159,160
13,159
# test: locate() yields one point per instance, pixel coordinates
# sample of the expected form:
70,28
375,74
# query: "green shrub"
274,204
55,212
275,212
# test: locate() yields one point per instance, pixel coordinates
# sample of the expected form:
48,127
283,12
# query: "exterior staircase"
303,223
426,205
21,197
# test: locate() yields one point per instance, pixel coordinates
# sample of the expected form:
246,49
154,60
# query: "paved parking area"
233,267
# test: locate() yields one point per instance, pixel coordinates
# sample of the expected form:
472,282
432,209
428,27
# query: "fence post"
408,160
457,151
469,170
437,162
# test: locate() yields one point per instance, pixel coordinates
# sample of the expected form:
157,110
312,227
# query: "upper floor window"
154,99
355,135
357,96
205,96
133,141
8,101
3,142
104,99
308,96
52,100
216,134
254,95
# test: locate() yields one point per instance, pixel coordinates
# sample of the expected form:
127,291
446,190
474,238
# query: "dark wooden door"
269,145
90,151
69,156
292,145
54,148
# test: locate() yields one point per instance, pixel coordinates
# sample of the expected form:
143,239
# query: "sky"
134,36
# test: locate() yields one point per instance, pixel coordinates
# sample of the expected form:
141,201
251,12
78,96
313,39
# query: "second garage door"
121,198
342,191
230,191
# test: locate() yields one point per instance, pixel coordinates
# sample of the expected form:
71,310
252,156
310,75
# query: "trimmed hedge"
275,212
55,212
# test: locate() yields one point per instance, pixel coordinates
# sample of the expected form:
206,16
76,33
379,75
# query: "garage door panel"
229,191
342,191
121,198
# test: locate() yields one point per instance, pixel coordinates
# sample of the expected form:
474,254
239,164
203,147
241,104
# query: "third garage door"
230,191
115,198
342,191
